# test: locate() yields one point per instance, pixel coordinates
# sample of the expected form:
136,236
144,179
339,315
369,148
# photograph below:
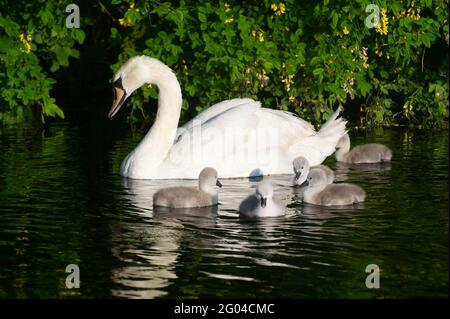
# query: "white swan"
302,167
189,197
261,204
366,153
261,140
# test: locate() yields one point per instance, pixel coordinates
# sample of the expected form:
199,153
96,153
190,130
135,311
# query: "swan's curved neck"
343,148
156,144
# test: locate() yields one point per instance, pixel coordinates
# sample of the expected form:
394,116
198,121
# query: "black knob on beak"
263,202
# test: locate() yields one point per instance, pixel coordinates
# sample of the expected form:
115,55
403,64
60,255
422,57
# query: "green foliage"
306,58
34,42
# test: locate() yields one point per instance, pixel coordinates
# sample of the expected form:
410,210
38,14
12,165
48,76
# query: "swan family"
235,138
263,141
319,189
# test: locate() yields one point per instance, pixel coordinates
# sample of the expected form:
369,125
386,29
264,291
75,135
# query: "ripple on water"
60,204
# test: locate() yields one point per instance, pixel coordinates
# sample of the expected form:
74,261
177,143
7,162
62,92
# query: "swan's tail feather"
331,132
330,121
333,127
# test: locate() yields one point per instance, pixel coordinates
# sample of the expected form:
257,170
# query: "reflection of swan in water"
148,242
152,250
151,244
149,252
315,217
317,212
373,171
199,217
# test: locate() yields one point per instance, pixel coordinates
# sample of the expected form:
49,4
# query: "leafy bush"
34,42
307,58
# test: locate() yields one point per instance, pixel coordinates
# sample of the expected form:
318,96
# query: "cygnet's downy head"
264,190
208,179
301,169
316,178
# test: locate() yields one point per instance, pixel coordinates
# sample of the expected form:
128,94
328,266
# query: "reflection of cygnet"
301,170
366,153
261,204
186,197
319,193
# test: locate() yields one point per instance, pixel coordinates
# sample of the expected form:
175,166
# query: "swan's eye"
301,168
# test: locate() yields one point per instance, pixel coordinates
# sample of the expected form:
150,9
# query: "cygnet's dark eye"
301,168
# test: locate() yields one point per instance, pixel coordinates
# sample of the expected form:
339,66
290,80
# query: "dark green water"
63,202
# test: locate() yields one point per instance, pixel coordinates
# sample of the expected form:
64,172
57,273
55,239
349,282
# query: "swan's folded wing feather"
244,122
293,119
214,111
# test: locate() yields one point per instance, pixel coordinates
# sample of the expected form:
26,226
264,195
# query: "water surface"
63,202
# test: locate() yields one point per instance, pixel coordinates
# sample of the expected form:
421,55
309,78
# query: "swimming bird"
301,170
262,140
318,192
188,197
262,203
366,153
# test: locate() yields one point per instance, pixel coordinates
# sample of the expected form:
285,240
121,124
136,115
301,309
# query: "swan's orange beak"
119,97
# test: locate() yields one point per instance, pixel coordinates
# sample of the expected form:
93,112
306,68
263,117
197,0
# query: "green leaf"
334,19
202,17
51,109
426,40
79,35
62,55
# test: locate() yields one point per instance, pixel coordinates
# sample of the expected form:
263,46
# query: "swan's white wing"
250,118
293,118
239,140
213,111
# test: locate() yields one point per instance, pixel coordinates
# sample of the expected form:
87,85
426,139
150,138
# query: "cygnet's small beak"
218,183
263,202
298,174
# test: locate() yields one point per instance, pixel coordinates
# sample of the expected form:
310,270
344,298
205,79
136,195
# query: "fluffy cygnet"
366,153
262,203
318,192
301,170
187,197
